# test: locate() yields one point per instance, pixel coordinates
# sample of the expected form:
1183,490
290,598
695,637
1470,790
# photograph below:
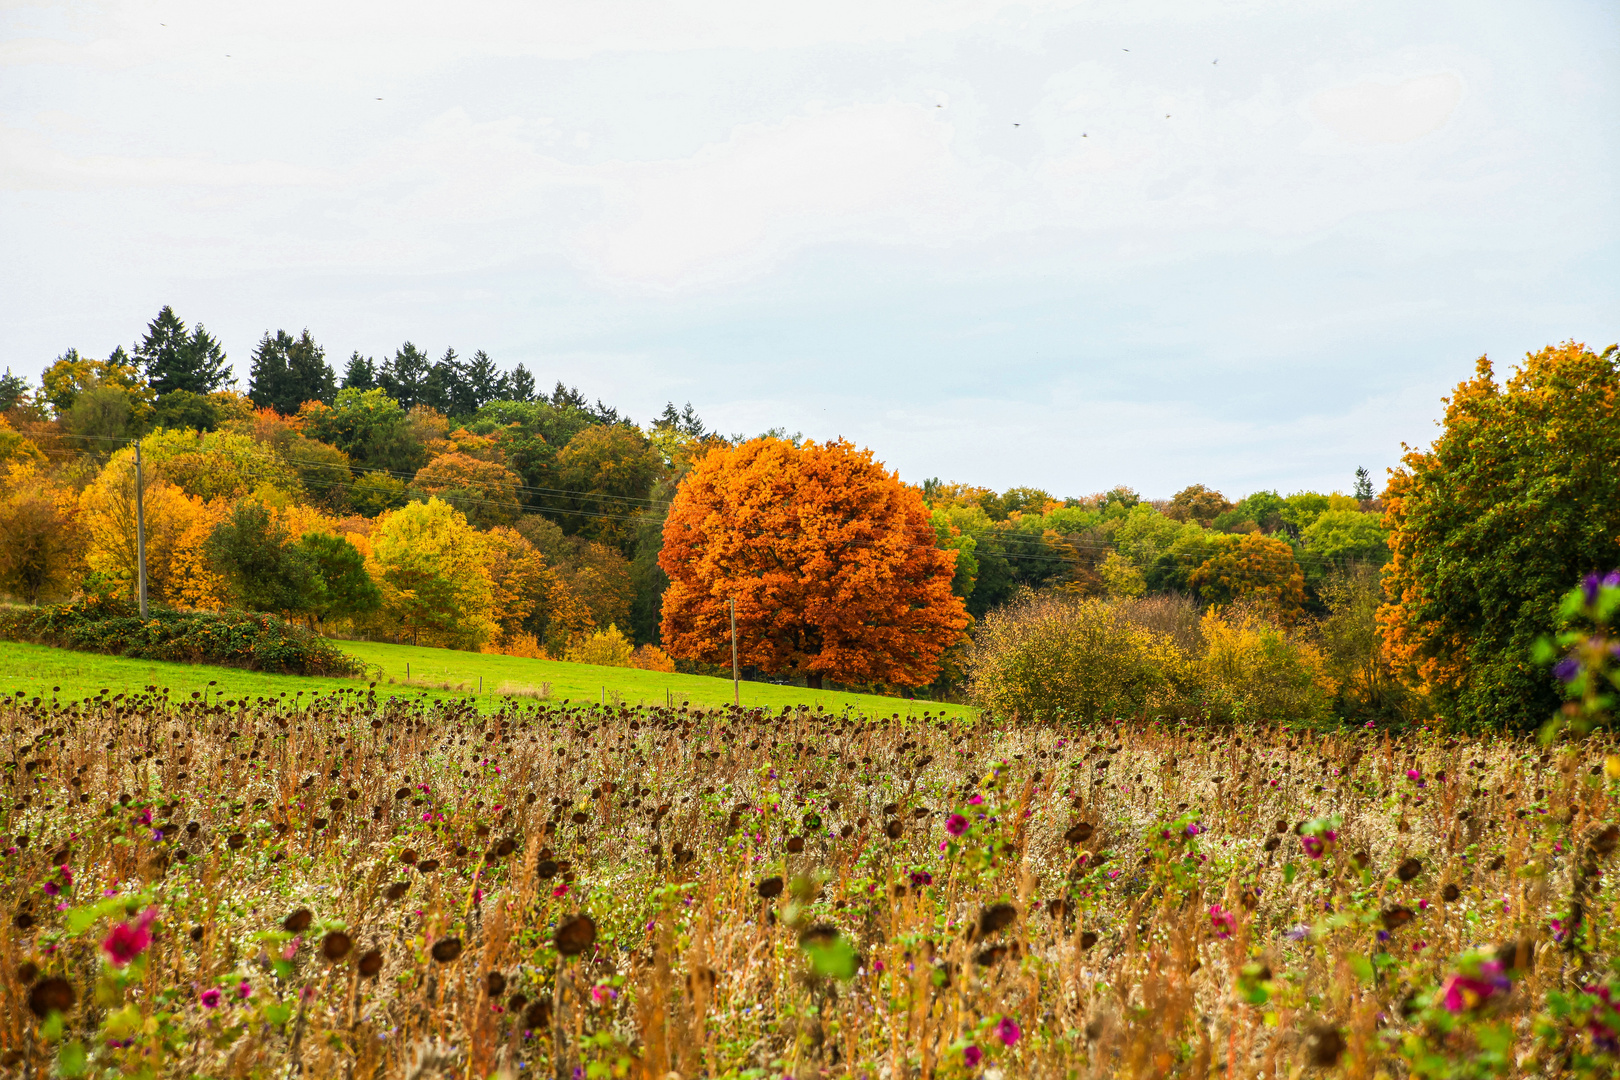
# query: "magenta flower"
1008,1031
956,824
1461,993
244,990
921,877
977,800
126,941
1223,922
1312,845
209,998
972,1056
1413,775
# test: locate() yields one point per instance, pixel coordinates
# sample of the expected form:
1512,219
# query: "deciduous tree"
1517,498
485,491
1257,568
832,562
428,562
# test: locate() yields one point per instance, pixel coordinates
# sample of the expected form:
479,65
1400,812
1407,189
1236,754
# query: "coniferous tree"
13,390
446,388
404,378
483,382
519,385
289,371
1364,488
176,360
361,374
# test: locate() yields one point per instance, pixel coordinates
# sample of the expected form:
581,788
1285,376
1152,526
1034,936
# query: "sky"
1245,243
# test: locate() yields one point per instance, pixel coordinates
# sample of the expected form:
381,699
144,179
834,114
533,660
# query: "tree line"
475,511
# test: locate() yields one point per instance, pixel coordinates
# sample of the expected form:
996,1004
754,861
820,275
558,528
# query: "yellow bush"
652,658
1252,668
609,648
1045,657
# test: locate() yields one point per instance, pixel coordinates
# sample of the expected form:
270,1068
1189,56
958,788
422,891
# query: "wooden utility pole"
736,691
140,530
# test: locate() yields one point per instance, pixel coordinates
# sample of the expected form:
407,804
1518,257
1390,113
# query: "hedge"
242,639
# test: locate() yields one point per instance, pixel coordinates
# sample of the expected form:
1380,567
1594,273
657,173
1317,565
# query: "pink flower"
126,941
244,990
1008,1031
956,824
972,1056
977,800
292,949
1460,993
1223,922
209,998
561,890
1413,775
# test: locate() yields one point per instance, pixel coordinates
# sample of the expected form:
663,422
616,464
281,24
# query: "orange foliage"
1258,568
831,559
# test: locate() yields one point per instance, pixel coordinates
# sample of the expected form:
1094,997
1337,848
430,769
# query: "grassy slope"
33,668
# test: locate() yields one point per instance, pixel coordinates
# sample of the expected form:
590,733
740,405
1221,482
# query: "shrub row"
240,639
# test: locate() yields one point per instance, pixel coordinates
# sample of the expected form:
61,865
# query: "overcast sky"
1072,245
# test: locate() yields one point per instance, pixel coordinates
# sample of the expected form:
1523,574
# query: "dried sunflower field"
355,887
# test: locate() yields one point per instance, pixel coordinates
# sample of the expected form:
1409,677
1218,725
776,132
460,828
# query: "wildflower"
1413,775
244,990
1313,846
1222,921
1194,829
1462,992
921,877
209,998
971,1056
1567,669
126,941
1008,1031
976,800
956,825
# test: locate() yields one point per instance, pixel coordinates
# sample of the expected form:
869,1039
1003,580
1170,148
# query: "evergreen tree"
361,374
404,378
13,390
445,389
519,385
1364,488
289,371
483,382
175,360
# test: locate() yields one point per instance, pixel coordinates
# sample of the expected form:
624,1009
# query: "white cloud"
868,173
1380,111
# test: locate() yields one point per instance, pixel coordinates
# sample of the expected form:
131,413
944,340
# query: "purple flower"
1008,1031
1567,669
209,998
1589,589
1194,830
972,1056
956,824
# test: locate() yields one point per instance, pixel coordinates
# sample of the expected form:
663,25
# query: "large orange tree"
831,559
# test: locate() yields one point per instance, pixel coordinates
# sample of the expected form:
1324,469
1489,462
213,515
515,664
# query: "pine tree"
13,390
482,380
361,374
404,378
289,371
175,360
519,385
1364,488
445,389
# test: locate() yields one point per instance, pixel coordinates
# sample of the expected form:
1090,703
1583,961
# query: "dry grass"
667,827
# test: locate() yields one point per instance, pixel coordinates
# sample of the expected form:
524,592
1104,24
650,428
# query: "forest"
450,502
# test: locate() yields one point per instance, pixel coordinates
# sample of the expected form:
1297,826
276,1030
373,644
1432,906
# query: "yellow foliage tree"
429,564
107,510
41,547
607,648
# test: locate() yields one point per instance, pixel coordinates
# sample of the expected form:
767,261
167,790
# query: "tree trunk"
812,680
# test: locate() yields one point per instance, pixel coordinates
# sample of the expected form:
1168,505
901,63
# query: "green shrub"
233,638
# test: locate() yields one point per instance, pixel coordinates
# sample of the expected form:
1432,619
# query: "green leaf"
834,959
72,1061
1362,967
278,1013
1289,873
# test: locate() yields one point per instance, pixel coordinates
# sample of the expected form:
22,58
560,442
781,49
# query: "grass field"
438,673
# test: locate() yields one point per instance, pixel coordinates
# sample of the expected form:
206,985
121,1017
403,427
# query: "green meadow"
416,670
